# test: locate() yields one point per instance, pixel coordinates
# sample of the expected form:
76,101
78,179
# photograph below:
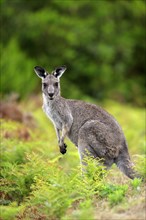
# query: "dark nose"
51,94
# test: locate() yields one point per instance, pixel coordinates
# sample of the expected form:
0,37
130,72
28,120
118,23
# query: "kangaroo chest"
54,115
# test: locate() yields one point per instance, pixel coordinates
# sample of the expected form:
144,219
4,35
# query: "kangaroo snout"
51,95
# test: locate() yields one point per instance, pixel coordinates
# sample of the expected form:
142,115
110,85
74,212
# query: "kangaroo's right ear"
40,72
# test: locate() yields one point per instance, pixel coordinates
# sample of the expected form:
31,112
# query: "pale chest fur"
53,114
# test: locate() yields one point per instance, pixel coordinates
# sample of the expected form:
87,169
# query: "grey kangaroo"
89,127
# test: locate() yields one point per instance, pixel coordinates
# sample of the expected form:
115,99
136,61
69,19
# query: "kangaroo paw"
65,145
63,148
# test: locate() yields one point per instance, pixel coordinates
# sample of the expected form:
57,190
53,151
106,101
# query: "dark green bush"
101,42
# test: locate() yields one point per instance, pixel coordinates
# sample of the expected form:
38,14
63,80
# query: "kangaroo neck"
50,103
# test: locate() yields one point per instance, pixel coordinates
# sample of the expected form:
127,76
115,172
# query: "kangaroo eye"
44,85
56,84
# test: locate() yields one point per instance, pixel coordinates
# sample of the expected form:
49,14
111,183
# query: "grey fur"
88,126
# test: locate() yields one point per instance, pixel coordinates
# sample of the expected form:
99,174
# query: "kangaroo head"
50,82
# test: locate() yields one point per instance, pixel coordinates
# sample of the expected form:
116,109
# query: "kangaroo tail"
127,167
125,164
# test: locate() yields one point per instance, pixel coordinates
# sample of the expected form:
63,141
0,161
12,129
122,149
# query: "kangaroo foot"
63,148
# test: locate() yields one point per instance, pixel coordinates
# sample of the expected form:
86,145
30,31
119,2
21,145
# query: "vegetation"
39,183
101,42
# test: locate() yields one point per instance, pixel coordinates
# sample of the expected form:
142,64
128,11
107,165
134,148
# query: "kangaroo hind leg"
89,144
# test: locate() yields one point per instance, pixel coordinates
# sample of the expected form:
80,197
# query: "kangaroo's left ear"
59,71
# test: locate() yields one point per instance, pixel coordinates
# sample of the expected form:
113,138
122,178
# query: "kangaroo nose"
51,94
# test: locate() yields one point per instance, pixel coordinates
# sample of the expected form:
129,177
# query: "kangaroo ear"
40,72
59,71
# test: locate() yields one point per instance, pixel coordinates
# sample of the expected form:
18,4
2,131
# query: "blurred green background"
102,42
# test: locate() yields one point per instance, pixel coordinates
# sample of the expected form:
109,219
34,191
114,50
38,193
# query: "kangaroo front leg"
62,145
66,126
58,134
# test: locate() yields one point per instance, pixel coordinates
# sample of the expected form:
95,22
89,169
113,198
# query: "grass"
37,182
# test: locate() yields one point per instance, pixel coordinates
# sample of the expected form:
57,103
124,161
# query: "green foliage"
58,193
38,182
16,70
101,42
116,197
141,165
86,210
131,120
10,212
136,183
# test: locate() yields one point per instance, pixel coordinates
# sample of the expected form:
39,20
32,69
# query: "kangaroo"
93,130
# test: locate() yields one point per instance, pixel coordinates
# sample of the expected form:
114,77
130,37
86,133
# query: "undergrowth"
39,183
